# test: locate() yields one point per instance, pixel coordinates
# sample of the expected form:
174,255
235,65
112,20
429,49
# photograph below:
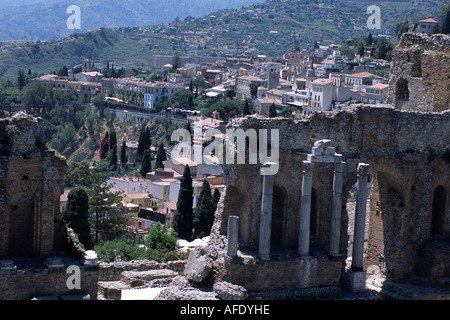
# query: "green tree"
112,140
123,154
401,27
144,141
78,174
216,198
272,111
160,156
113,160
100,103
21,79
254,89
369,39
104,146
181,99
106,214
246,108
76,215
146,165
204,212
183,220
160,237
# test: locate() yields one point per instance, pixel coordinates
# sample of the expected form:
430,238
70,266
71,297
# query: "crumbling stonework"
31,181
407,153
420,73
31,230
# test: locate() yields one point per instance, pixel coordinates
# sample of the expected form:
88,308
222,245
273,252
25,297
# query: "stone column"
336,211
357,277
232,236
266,218
360,217
305,210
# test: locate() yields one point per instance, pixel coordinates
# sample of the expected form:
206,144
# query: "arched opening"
21,226
279,203
438,212
402,93
388,226
236,204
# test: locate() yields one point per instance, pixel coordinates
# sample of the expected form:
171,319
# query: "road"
124,115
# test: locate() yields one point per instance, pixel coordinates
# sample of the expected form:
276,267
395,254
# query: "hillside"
266,28
47,19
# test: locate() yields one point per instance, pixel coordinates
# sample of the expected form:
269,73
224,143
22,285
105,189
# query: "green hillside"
268,28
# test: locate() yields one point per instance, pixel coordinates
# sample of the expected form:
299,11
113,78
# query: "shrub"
125,248
160,237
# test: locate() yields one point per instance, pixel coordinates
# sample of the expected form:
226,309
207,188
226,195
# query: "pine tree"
204,212
160,156
191,86
76,215
146,164
106,212
104,146
183,220
123,154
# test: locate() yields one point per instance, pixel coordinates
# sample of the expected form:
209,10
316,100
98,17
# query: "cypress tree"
112,140
272,111
144,141
216,198
113,160
160,156
123,154
76,215
146,164
183,220
204,212
104,146
246,108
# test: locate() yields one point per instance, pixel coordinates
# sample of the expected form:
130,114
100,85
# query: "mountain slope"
266,28
48,20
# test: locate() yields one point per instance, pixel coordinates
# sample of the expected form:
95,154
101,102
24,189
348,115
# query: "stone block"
356,281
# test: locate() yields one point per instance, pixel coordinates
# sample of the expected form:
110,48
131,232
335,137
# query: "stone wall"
408,157
112,271
421,63
31,180
28,283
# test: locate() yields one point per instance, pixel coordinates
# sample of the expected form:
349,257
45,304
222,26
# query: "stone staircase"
135,280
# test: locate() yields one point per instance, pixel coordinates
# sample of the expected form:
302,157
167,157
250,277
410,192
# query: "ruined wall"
408,154
420,70
28,283
31,182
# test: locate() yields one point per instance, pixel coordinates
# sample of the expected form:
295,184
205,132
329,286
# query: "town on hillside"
133,166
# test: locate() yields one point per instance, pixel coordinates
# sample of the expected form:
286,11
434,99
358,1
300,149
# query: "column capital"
363,169
308,166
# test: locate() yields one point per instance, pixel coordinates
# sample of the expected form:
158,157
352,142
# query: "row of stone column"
305,216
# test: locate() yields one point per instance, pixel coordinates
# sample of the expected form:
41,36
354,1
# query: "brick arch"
237,203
